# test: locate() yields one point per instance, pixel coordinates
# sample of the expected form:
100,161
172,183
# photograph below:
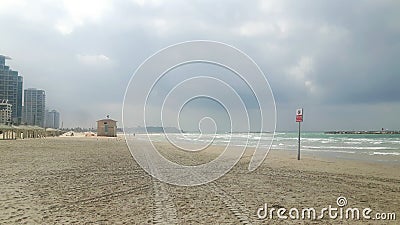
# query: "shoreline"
370,153
289,158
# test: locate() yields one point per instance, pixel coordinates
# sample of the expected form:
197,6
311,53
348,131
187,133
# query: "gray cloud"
336,58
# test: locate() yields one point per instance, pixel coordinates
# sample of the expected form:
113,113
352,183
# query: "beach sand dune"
78,180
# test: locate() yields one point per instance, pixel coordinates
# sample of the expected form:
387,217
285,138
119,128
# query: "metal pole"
298,151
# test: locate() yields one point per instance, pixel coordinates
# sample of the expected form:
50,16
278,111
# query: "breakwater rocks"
362,132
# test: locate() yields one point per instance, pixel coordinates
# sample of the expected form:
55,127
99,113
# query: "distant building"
107,127
11,89
34,107
52,119
5,112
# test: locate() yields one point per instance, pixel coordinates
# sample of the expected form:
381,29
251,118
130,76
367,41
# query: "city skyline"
21,106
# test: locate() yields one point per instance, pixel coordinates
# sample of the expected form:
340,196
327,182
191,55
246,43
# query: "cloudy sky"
337,59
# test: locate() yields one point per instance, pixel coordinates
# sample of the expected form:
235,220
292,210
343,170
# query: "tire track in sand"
164,207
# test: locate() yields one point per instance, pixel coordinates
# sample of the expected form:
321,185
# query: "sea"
370,147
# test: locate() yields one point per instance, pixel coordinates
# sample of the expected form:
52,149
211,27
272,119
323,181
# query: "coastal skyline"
337,60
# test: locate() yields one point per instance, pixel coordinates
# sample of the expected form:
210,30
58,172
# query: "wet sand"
82,180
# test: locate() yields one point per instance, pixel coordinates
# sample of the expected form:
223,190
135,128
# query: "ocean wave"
385,153
353,142
331,151
350,147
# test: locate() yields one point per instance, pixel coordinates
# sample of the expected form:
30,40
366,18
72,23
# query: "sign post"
299,119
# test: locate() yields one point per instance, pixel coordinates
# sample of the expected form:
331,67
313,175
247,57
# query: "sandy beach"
89,180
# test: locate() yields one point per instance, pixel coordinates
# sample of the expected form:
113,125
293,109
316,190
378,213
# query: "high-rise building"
34,107
52,119
5,112
11,89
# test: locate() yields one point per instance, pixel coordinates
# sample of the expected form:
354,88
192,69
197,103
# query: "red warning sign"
299,115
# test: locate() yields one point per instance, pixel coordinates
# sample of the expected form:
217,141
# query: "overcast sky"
337,59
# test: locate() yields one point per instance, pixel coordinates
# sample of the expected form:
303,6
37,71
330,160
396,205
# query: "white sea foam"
311,142
385,153
350,147
331,151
